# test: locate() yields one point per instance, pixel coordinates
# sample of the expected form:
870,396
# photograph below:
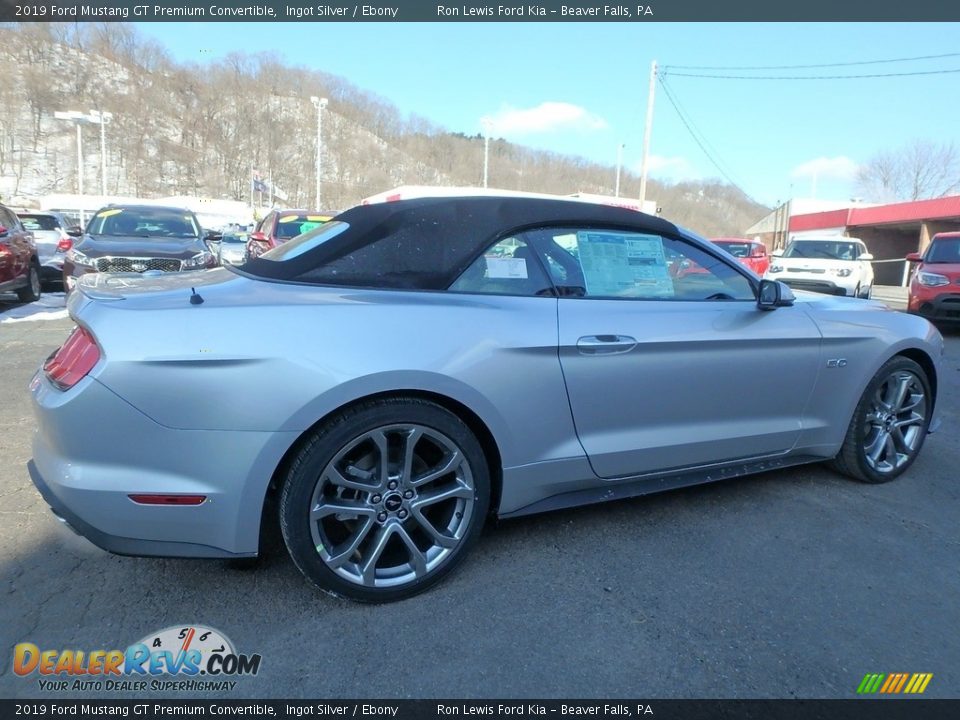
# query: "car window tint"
944,250
39,222
509,267
599,263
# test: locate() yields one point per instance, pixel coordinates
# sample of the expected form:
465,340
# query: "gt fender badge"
836,362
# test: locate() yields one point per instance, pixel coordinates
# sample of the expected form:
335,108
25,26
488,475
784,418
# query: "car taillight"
75,358
64,244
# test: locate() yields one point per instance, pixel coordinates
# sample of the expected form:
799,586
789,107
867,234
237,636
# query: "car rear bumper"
118,544
92,450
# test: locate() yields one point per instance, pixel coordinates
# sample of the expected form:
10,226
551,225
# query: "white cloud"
545,117
670,168
841,168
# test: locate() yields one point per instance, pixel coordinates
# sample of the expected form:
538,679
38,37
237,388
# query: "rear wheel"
889,425
31,291
385,499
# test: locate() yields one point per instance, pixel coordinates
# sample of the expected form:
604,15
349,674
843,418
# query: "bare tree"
917,171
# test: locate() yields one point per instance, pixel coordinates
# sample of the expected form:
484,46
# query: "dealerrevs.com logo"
190,658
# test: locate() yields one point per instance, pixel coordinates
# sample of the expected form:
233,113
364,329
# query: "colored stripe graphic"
894,683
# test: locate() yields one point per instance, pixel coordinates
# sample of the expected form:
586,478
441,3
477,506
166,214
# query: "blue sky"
581,88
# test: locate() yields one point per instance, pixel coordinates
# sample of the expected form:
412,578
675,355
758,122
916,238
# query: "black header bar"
651,11
854,709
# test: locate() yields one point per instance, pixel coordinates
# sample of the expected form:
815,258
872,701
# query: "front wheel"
889,425
385,499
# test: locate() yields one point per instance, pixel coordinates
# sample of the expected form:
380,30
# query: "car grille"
815,271
124,264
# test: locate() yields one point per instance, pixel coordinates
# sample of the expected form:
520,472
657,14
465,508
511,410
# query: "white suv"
834,265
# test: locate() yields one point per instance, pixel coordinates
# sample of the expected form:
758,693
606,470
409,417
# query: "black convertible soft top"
428,242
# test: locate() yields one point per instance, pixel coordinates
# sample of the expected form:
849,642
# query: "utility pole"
620,147
646,135
319,103
486,123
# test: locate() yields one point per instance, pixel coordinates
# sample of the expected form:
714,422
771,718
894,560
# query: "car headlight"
78,258
841,272
929,279
201,259
774,268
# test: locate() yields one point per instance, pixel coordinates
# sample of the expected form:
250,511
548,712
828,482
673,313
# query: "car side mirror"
774,294
75,231
866,257
778,252
914,257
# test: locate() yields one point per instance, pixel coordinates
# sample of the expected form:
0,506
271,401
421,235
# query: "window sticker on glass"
625,265
506,268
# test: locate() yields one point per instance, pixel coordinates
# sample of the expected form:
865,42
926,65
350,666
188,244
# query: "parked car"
833,264
137,238
233,248
51,232
751,253
935,285
19,259
278,226
401,381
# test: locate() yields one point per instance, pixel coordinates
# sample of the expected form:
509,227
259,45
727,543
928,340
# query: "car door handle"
605,344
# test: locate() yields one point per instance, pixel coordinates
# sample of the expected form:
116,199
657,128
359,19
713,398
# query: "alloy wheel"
392,505
895,422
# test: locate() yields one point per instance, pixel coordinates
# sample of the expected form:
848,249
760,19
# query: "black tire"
871,420
346,448
31,291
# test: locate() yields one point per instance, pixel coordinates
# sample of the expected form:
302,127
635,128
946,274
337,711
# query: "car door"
668,361
14,248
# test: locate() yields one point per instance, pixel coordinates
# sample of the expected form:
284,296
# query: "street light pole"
319,103
103,118
620,147
78,118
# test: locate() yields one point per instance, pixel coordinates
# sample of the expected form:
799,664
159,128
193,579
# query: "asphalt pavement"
793,583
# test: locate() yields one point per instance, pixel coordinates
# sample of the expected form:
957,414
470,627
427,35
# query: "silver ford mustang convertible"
388,380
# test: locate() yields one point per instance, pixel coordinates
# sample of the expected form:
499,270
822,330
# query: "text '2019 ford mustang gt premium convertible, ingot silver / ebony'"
397,375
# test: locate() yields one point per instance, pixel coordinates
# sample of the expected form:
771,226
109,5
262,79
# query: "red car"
751,253
935,286
282,225
19,263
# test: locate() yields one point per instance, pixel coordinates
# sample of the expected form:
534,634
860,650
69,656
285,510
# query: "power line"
813,77
808,67
696,138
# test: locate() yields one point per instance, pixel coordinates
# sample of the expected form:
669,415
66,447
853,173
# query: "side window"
623,264
508,267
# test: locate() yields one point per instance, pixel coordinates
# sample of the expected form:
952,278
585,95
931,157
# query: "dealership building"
889,231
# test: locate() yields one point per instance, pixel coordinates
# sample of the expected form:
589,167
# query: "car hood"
951,270
135,246
801,262
836,302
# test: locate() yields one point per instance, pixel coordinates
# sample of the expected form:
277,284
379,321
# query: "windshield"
306,241
39,222
143,222
829,250
740,250
944,250
289,226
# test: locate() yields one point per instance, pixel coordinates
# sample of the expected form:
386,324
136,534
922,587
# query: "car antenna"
195,299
